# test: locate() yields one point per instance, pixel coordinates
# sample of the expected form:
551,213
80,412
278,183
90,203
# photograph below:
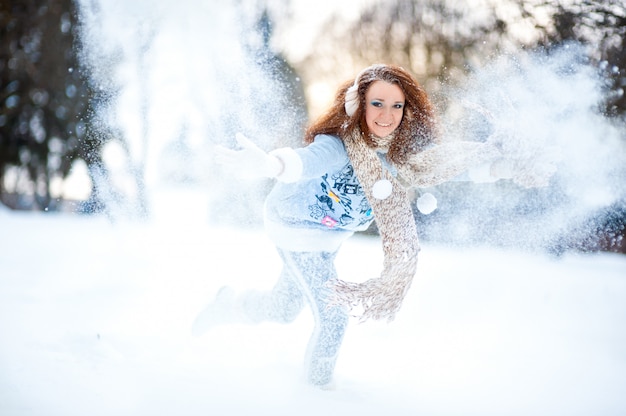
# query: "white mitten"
501,169
491,172
535,175
250,160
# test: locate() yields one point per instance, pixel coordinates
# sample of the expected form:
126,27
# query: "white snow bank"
95,320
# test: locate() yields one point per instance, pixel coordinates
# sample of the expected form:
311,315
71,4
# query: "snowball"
426,203
382,189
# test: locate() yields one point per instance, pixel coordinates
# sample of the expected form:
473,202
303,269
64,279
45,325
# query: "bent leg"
282,304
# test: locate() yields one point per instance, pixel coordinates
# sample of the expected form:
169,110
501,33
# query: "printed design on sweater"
341,200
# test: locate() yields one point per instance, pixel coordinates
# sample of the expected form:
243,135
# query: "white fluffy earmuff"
352,99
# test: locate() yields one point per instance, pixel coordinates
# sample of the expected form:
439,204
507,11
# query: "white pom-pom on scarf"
382,189
352,99
426,203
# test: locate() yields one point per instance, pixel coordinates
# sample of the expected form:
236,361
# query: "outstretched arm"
445,161
251,161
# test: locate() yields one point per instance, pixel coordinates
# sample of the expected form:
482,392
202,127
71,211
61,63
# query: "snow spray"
542,108
184,76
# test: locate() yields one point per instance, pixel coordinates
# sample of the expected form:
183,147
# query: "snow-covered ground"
95,320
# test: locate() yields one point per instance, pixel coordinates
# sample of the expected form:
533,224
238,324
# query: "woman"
379,136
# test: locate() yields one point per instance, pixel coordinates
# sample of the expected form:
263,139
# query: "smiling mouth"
384,124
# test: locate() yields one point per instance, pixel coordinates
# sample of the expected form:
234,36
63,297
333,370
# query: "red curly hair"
417,130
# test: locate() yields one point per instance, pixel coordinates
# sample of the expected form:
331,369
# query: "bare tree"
43,98
598,23
434,39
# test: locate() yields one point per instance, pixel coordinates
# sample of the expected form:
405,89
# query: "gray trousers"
303,281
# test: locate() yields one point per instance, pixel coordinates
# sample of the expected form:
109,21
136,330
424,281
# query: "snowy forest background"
116,226
101,102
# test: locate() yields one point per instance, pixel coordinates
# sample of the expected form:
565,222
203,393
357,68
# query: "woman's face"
384,108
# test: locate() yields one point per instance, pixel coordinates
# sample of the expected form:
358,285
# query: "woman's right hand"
248,161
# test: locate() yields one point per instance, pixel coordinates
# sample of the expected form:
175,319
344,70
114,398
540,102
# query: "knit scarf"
381,297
